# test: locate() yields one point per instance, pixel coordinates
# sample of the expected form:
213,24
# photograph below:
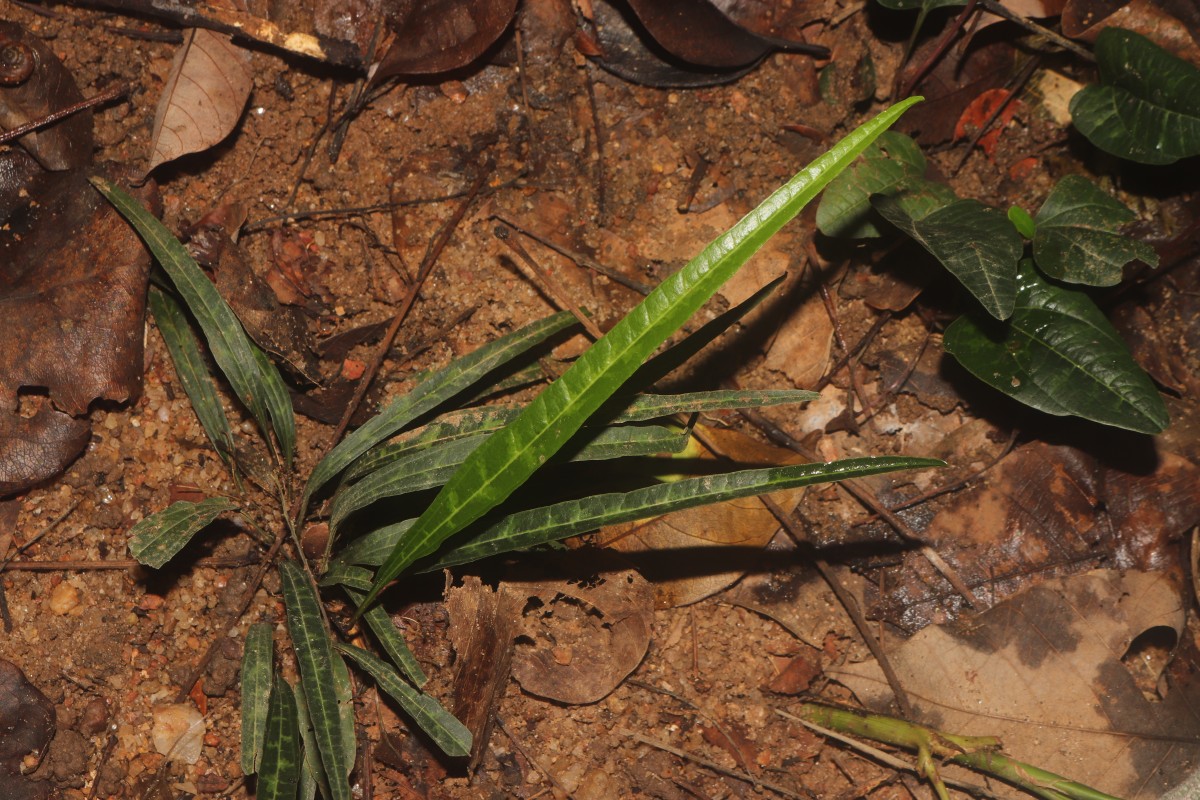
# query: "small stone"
178,732
94,718
64,598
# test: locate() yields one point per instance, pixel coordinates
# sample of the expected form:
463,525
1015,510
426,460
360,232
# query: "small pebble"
64,598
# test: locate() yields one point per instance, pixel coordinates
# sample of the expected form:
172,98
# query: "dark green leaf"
1077,239
1147,106
319,679
390,638
1060,355
509,456
257,667
312,774
892,166
976,243
155,540
193,374
446,732
279,774
253,377
430,393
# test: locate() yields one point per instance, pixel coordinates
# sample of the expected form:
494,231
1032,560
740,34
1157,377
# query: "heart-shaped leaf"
1077,239
1060,355
976,243
1147,106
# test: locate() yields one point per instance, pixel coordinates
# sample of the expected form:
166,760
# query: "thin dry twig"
555,290
578,258
84,565
529,757
111,93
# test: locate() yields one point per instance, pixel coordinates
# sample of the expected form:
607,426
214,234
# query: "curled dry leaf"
1043,672
33,84
440,35
584,638
202,101
27,725
73,287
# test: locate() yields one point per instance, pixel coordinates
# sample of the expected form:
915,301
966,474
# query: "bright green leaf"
976,243
502,463
1077,239
1147,106
279,774
1060,355
1021,220
257,668
253,377
156,539
446,732
193,374
319,680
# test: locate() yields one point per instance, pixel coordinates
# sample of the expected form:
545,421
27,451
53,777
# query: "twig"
895,388
54,116
529,757
1015,87
553,288
579,258
848,603
693,185
715,767
215,562
939,51
865,496
831,310
1038,30
601,185
312,147
431,255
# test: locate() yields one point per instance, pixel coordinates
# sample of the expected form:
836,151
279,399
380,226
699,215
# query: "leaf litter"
713,659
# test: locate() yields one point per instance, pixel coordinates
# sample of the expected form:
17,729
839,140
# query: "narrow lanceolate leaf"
1059,354
550,523
193,374
1077,238
155,540
253,377
446,732
432,467
315,660
391,639
976,243
256,690
430,393
279,774
510,456
312,774
1147,105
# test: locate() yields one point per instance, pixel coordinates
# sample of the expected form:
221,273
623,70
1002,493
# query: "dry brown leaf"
27,725
1084,19
706,535
1043,672
801,348
583,638
203,98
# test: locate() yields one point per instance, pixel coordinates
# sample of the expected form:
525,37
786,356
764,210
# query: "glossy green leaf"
193,374
1077,239
257,668
319,679
446,732
433,466
1021,220
539,526
893,166
504,462
253,377
1060,355
976,243
279,773
390,638
431,393
156,539
1147,105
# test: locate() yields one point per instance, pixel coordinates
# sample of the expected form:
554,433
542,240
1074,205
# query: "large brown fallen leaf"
440,35
1043,672
582,638
203,98
692,554
73,292
26,727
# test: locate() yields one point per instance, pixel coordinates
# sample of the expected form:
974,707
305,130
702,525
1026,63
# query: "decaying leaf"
583,637
73,287
689,555
1084,19
441,35
203,98
1043,672
36,84
26,727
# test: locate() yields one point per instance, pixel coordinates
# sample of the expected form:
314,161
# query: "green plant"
304,740
1033,336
